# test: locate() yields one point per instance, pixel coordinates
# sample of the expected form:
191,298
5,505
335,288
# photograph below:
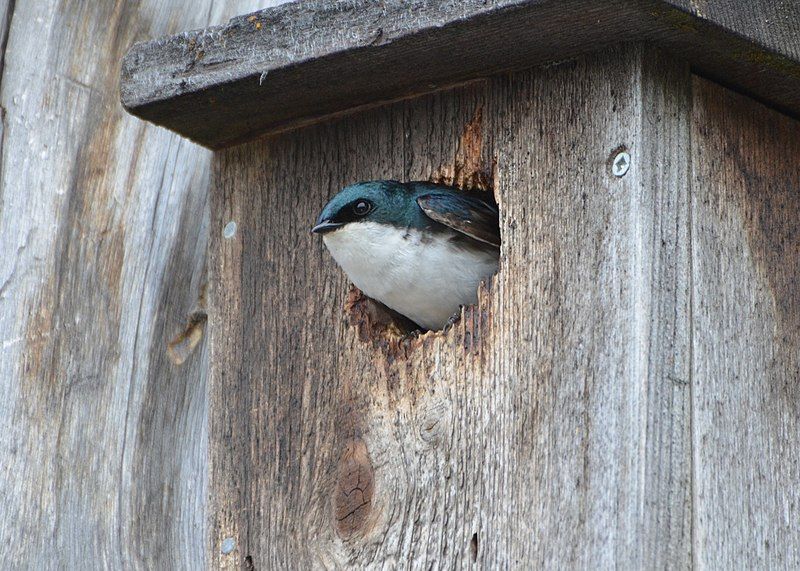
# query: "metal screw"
621,164
228,545
230,230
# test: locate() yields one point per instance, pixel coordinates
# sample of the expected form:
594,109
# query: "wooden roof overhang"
296,63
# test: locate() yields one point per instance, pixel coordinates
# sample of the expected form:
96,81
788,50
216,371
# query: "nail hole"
228,545
230,230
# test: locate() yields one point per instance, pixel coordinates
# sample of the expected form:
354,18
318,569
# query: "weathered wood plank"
746,332
103,223
286,66
775,25
662,210
549,427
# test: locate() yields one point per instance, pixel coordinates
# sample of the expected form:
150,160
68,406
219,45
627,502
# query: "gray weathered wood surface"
289,65
550,427
746,334
594,428
103,225
774,24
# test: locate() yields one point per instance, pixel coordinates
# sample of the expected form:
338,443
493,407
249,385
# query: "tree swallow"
419,248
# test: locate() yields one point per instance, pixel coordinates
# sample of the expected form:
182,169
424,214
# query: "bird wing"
466,214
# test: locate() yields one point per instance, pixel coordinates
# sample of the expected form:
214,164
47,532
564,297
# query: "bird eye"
362,207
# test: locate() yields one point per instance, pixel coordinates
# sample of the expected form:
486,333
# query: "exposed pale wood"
746,328
289,65
103,223
550,426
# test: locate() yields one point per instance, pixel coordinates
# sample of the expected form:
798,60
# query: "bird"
420,248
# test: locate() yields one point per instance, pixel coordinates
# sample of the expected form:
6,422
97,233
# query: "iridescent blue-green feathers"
467,214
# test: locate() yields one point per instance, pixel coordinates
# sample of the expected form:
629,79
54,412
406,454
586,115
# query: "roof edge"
298,62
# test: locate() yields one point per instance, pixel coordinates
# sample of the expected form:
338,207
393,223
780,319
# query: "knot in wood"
355,485
433,422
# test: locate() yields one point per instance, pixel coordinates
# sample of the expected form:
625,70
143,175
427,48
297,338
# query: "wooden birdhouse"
626,391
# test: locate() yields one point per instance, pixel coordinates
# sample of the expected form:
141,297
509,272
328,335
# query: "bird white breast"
425,278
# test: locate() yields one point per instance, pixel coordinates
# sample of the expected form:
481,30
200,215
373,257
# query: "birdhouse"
624,393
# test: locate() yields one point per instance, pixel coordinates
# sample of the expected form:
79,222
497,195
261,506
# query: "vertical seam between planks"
3,52
639,371
135,364
692,435
7,25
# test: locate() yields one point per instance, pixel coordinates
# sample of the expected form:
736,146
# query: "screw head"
228,545
230,230
621,164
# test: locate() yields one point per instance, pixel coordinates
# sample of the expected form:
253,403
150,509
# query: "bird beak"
325,226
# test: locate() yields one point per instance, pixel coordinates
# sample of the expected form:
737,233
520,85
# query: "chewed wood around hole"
396,334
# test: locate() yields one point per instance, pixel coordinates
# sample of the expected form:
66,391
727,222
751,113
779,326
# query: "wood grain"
775,25
103,228
290,65
550,426
746,332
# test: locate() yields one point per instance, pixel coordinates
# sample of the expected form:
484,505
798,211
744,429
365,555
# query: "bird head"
384,202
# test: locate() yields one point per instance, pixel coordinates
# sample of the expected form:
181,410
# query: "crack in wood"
352,500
